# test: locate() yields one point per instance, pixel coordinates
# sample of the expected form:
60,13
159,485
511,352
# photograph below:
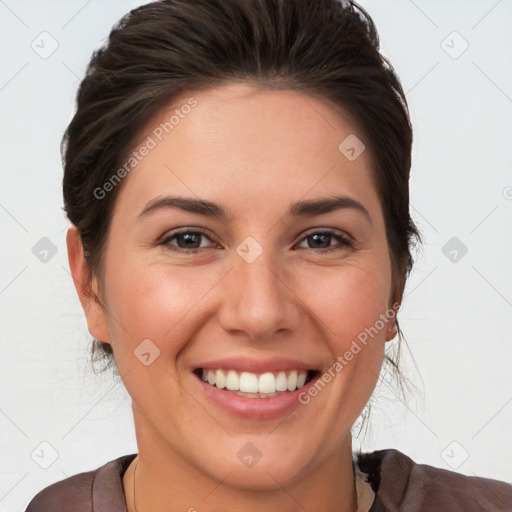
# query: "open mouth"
256,385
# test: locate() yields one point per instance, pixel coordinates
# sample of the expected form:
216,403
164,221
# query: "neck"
165,481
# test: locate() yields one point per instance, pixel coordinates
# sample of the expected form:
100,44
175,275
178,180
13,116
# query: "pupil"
315,237
189,238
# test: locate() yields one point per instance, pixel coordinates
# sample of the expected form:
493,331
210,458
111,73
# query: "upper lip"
243,364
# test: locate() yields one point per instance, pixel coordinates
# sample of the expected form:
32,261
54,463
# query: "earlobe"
391,332
392,329
86,287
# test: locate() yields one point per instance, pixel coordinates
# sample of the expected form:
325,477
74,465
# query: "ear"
394,304
392,329
86,287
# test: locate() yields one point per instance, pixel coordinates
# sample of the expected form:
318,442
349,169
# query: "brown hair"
325,48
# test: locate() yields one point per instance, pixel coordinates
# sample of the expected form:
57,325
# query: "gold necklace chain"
134,473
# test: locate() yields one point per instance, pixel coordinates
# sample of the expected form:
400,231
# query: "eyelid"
186,229
330,231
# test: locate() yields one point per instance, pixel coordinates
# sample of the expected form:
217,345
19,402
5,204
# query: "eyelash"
344,241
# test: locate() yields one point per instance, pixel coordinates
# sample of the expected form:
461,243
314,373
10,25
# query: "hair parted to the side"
325,48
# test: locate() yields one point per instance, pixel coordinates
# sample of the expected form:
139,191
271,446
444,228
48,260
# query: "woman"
236,176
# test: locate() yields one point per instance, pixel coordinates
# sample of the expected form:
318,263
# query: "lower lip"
254,408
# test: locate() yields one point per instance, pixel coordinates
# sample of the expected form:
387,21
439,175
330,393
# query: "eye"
321,240
186,240
190,241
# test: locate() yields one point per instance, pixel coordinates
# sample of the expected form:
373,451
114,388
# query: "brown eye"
187,241
321,240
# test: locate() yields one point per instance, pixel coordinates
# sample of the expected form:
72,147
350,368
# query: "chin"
267,476
257,469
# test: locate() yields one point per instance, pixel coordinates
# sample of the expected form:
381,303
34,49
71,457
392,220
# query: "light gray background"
456,316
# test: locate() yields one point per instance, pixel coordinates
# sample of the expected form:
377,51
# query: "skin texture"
254,152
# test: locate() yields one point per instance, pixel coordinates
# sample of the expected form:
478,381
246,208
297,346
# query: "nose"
259,300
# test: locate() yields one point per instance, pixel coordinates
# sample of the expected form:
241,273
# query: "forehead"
242,143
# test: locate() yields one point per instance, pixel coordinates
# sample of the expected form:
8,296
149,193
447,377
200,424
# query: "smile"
255,389
253,385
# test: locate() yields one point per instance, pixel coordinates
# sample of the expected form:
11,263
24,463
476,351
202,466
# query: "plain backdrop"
58,418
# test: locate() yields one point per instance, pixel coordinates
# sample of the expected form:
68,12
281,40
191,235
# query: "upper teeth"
252,383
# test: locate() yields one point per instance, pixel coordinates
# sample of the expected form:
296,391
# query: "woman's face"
256,287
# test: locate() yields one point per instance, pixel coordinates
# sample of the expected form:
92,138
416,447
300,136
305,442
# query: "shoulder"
78,492
402,484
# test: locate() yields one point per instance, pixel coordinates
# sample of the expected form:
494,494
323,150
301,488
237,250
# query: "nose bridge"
259,302
258,278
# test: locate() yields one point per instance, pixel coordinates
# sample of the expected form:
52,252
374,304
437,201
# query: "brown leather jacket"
400,485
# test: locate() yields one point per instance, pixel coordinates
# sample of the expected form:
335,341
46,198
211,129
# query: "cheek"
148,301
349,299
352,317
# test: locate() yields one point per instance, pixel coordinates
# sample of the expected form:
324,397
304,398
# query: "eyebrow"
209,209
